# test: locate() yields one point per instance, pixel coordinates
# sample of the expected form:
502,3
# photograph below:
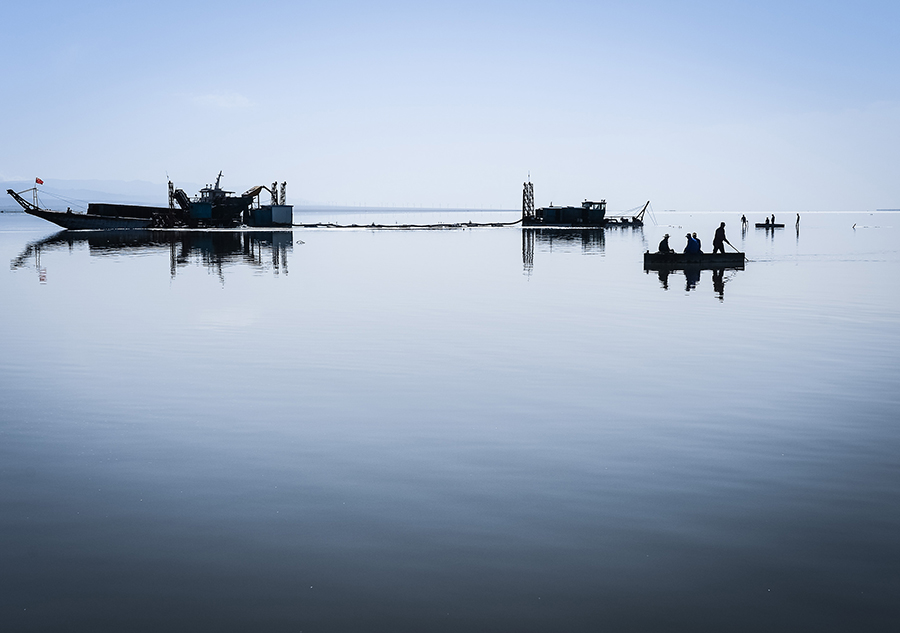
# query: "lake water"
484,429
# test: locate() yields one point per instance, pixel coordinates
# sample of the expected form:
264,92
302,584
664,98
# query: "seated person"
664,245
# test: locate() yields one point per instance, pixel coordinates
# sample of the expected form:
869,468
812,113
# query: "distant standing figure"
719,240
767,220
664,245
798,219
773,218
697,239
744,220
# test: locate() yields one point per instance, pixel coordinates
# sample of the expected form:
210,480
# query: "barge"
212,208
590,214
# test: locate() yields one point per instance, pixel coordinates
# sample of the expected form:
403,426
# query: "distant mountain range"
59,194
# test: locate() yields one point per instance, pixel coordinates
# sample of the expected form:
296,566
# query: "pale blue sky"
694,105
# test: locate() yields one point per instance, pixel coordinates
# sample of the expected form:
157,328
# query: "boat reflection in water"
215,250
550,239
664,264
692,277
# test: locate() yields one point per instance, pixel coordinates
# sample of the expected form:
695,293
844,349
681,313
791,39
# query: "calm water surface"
488,429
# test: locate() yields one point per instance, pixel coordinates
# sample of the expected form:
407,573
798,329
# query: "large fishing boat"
590,214
213,207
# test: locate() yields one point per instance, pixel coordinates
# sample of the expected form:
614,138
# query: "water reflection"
215,250
550,239
692,276
718,281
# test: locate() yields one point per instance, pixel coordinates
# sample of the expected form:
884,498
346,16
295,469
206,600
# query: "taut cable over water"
420,227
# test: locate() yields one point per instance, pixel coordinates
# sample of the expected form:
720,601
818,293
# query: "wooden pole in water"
736,250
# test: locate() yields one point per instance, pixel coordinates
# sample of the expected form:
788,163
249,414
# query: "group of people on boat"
770,221
693,245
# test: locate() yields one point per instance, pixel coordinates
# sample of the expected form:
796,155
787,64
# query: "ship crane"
278,197
28,206
182,199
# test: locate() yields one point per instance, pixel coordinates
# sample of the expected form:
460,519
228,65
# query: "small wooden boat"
680,261
768,225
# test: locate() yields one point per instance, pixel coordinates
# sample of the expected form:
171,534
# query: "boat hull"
81,221
763,225
680,261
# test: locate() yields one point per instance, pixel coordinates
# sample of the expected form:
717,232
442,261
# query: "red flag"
39,181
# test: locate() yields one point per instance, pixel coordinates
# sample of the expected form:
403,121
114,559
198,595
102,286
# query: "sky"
695,106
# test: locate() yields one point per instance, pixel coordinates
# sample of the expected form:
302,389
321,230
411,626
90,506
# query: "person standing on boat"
664,245
692,246
719,240
697,239
773,218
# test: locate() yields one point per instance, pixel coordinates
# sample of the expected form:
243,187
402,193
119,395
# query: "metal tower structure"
528,201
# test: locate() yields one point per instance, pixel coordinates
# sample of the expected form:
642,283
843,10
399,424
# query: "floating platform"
763,225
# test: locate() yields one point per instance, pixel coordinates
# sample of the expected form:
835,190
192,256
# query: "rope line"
75,202
405,227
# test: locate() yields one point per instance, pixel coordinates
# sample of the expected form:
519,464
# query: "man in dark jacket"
664,245
719,240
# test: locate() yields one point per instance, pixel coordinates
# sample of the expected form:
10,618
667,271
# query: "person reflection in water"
691,278
663,274
718,279
664,245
